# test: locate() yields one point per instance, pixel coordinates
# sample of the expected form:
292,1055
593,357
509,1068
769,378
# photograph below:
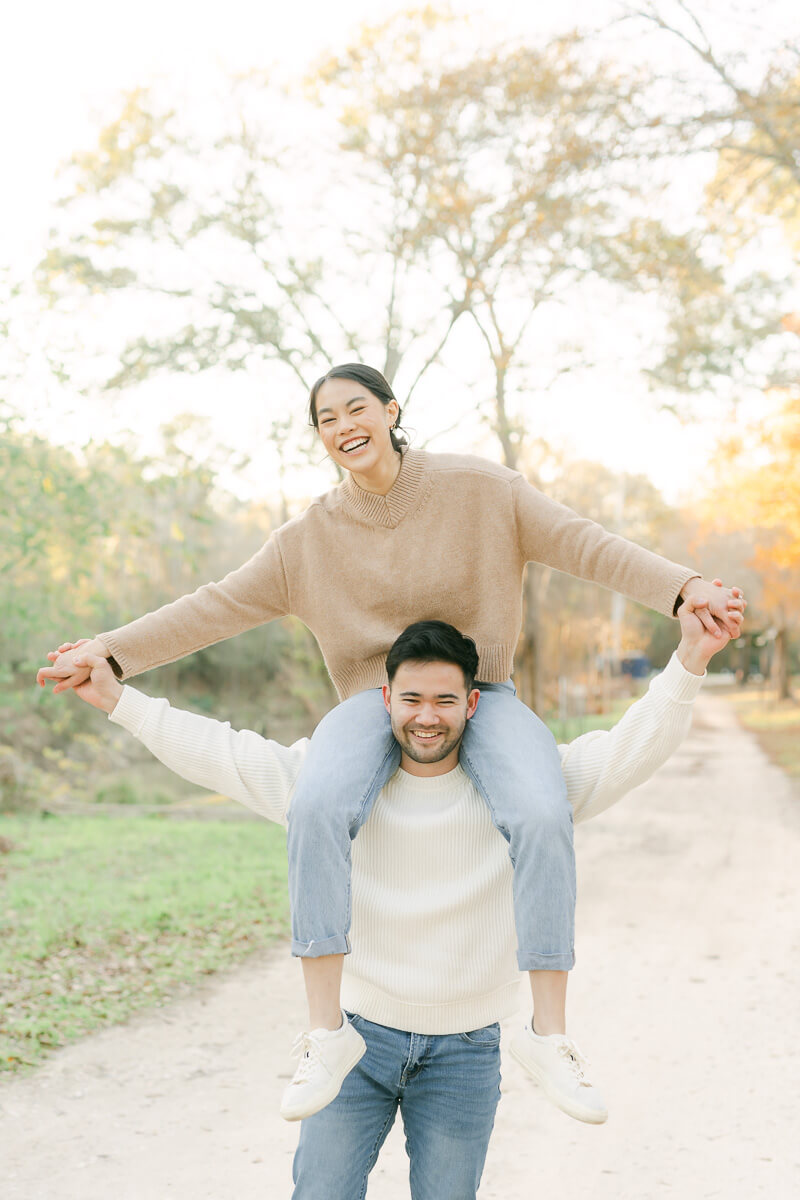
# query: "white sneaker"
327,1056
557,1064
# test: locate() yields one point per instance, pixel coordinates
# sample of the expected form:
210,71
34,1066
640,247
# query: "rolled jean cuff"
527,961
338,944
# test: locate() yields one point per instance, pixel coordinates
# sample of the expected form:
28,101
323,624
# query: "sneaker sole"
325,1098
589,1116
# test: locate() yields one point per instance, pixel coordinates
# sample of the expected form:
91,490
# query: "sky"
62,68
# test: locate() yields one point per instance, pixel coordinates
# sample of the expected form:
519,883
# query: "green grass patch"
100,917
776,724
568,729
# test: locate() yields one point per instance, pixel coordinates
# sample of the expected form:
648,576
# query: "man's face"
429,706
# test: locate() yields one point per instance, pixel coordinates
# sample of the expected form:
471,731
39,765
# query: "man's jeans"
511,757
446,1087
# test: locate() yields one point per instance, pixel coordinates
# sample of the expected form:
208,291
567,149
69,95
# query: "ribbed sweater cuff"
131,710
119,656
679,684
673,592
495,663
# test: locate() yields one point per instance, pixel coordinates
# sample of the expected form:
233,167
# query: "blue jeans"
446,1087
511,757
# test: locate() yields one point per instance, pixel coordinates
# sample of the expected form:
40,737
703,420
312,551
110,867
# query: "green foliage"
80,533
102,917
93,539
124,791
567,729
19,790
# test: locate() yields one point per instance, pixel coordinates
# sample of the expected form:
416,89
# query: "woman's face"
354,425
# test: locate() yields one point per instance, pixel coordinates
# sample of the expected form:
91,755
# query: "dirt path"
685,996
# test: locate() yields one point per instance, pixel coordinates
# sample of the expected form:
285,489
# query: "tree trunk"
502,424
780,664
745,650
527,673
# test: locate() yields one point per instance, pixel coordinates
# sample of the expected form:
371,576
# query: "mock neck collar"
390,509
432,783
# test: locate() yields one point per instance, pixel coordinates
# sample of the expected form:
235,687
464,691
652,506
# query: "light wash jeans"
513,760
446,1087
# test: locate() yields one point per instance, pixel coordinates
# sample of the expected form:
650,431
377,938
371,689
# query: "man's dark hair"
434,641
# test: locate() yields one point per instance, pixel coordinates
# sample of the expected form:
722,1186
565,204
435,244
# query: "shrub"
18,783
119,791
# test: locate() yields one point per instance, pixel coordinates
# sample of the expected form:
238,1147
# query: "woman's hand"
723,610
62,649
64,669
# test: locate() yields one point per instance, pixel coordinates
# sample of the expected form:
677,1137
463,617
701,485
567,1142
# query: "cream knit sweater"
449,541
432,916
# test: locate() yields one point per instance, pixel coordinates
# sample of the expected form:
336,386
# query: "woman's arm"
255,593
553,534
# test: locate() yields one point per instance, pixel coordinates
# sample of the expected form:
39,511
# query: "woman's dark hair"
369,378
434,641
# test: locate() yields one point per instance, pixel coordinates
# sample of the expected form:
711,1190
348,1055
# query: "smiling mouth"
349,447
426,737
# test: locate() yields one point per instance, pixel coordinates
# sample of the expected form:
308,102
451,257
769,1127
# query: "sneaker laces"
576,1062
307,1048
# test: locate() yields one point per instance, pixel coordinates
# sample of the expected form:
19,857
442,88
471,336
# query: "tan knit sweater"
449,541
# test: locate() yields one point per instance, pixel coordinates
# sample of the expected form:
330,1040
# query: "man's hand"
698,645
64,668
723,611
101,688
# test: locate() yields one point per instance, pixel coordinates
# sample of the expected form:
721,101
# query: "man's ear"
387,695
472,702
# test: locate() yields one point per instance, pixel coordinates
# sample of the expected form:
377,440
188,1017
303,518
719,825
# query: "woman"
409,536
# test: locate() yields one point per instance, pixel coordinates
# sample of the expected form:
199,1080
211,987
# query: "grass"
775,724
571,727
99,917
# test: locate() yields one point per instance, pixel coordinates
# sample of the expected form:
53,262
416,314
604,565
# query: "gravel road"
685,998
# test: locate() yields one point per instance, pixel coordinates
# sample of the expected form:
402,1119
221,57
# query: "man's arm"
600,767
241,764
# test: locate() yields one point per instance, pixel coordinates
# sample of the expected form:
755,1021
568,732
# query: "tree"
578,623
91,536
758,490
508,178
226,245
731,335
50,519
474,189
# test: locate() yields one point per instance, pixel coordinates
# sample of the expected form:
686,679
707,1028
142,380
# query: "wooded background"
447,209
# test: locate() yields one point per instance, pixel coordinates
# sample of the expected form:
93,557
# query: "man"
433,966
